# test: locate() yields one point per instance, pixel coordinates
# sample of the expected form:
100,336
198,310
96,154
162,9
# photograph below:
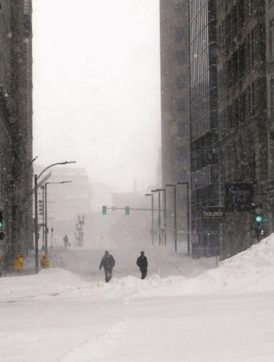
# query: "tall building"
242,118
203,118
269,17
16,127
231,67
174,28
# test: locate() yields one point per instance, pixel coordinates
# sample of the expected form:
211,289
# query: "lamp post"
46,209
186,183
36,177
159,214
165,217
174,214
152,217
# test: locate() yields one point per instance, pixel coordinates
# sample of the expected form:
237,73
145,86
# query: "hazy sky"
97,87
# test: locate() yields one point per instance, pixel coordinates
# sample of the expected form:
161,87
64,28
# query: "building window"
272,97
180,82
180,105
271,39
179,33
180,58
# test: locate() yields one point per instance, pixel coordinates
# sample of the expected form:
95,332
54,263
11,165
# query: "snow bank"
249,271
49,282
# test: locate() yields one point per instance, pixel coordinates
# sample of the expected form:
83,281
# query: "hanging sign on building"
238,196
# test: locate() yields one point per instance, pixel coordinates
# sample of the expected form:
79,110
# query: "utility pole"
36,223
36,185
46,210
159,215
174,214
152,217
186,183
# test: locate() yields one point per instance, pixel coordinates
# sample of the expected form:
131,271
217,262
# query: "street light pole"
43,211
152,217
36,177
46,210
36,224
188,215
174,214
165,218
159,214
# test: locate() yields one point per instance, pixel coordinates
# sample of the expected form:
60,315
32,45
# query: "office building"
174,28
16,127
203,118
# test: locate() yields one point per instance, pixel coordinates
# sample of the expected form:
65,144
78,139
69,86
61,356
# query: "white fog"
136,181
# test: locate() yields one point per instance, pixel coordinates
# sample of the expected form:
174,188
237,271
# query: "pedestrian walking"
66,241
142,264
107,263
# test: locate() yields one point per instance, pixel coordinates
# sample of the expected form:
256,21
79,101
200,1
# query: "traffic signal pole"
36,223
46,218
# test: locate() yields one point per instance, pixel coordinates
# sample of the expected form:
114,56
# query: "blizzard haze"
97,87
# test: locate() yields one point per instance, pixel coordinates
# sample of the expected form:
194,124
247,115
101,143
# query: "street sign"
238,196
213,212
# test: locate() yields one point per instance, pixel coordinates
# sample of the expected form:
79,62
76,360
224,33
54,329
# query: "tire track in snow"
97,348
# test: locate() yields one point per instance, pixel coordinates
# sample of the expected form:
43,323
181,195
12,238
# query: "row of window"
242,108
199,10
236,21
243,8
5,50
204,177
203,152
239,160
5,156
238,112
243,60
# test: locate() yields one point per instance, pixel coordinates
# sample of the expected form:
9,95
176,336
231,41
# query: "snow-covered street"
181,312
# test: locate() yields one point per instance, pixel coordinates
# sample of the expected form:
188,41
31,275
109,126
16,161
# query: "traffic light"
127,210
2,234
1,220
104,210
41,207
258,214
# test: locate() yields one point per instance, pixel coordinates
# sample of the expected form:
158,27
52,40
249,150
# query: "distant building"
174,26
127,225
65,201
16,127
174,35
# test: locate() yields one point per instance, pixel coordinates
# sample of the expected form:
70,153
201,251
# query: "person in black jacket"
107,263
142,264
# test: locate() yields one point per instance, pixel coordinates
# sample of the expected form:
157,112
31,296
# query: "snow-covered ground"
183,311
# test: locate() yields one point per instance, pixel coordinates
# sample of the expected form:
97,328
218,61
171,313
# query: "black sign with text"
238,196
213,212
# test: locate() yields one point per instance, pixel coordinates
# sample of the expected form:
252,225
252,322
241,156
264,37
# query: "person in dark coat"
66,241
107,263
142,264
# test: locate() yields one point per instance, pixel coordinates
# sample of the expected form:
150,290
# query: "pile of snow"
50,282
249,271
